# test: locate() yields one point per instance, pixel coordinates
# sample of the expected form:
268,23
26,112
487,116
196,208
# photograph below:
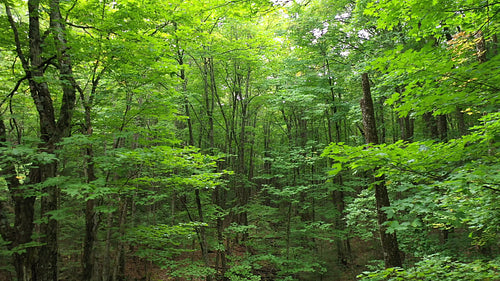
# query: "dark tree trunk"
392,257
51,132
368,112
442,127
91,224
120,259
343,243
22,230
462,128
406,128
430,128
382,120
202,232
91,221
182,76
48,254
221,261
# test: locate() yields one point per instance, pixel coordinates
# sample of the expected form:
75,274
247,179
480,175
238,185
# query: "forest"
232,140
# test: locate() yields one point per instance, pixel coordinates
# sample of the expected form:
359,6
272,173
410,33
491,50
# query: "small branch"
19,50
486,22
16,87
472,8
80,26
84,27
69,10
491,188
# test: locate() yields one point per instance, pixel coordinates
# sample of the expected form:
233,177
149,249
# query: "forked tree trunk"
392,257
44,266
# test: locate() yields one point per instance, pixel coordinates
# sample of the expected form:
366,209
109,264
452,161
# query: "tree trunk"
494,39
430,128
368,112
120,259
91,221
22,230
406,127
202,232
442,127
389,241
343,244
91,225
51,132
221,263
106,268
462,128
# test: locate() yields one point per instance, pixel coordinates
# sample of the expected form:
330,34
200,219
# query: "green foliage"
440,186
259,88
438,267
361,217
160,243
242,269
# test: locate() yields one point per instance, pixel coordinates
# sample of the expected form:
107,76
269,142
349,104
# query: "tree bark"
202,232
51,132
430,128
368,112
389,241
442,127
91,221
406,128
21,232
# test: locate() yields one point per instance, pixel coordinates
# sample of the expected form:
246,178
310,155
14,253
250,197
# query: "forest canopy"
249,140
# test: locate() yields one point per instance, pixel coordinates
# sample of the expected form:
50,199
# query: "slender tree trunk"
406,128
91,221
88,259
442,127
288,229
382,120
106,269
182,76
91,225
462,128
368,112
389,241
430,128
221,263
331,83
202,232
120,276
343,244
494,39
210,102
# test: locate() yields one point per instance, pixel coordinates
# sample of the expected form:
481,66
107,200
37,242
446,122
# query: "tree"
389,241
43,264
183,139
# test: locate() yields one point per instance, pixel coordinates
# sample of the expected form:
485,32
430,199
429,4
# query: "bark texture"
392,257
40,263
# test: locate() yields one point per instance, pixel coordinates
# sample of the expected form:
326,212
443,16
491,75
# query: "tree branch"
16,87
19,50
472,8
